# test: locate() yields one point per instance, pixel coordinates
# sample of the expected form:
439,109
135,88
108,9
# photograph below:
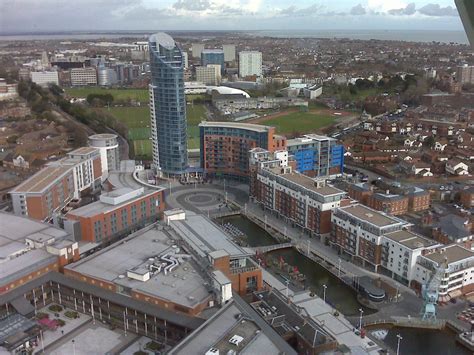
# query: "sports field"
137,119
301,122
118,94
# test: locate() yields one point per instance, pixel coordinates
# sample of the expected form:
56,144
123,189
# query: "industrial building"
167,106
316,155
224,146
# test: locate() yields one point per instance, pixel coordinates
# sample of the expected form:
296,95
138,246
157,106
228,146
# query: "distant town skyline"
59,15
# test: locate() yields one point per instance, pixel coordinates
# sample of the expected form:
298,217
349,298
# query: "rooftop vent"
369,215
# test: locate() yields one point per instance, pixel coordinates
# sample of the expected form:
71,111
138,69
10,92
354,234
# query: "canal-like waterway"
338,294
343,298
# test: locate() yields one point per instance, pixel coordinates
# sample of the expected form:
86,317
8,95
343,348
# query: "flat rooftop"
99,207
369,215
220,328
452,253
308,183
410,240
308,138
204,236
183,286
14,230
247,126
84,151
43,179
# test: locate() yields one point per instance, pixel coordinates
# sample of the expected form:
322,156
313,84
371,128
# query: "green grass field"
301,122
118,94
137,119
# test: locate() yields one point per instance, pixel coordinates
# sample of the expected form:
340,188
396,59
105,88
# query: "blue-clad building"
213,56
317,155
167,106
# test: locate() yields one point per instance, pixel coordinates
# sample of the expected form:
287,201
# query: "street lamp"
324,293
398,343
360,318
339,268
73,347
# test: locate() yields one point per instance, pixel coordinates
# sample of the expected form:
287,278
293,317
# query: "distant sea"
393,35
387,35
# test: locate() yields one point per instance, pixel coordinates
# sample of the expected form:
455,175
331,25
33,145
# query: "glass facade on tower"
167,105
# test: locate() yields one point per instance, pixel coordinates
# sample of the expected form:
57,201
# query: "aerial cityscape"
201,177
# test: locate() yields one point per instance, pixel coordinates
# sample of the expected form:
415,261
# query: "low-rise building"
30,249
454,229
388,203
467,197
454,263
116,214
358,231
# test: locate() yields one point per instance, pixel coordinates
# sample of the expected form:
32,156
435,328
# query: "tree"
429,142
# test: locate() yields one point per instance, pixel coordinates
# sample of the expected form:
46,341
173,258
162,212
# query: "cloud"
293,11
358,10
408,10
192,5
437,10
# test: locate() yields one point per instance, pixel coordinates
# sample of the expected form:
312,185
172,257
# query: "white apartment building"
83,76
400,252
197,49
44,78
458,265
250,63
185,59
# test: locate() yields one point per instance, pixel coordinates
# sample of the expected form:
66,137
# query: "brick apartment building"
224,146
53,187
401,201
116,213
358,231
296,197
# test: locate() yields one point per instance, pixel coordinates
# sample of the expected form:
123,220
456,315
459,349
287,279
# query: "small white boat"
380,334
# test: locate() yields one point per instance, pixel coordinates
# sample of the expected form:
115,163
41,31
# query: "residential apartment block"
44,78
116,213
224,146
359,231
317,155
295,197
250,64
53,187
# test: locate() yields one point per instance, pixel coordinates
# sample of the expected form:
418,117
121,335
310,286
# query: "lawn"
301,122
118,94
137,119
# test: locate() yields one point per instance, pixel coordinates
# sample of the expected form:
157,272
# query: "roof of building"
308,138
204,236
247,126
363,186
452,254
410,239
309,183
84,151
453,226
43,179
103,136
99,207
16,258
163,39
183,285
369,215
388,197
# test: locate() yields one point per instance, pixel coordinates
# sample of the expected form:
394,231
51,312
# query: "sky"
90,15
